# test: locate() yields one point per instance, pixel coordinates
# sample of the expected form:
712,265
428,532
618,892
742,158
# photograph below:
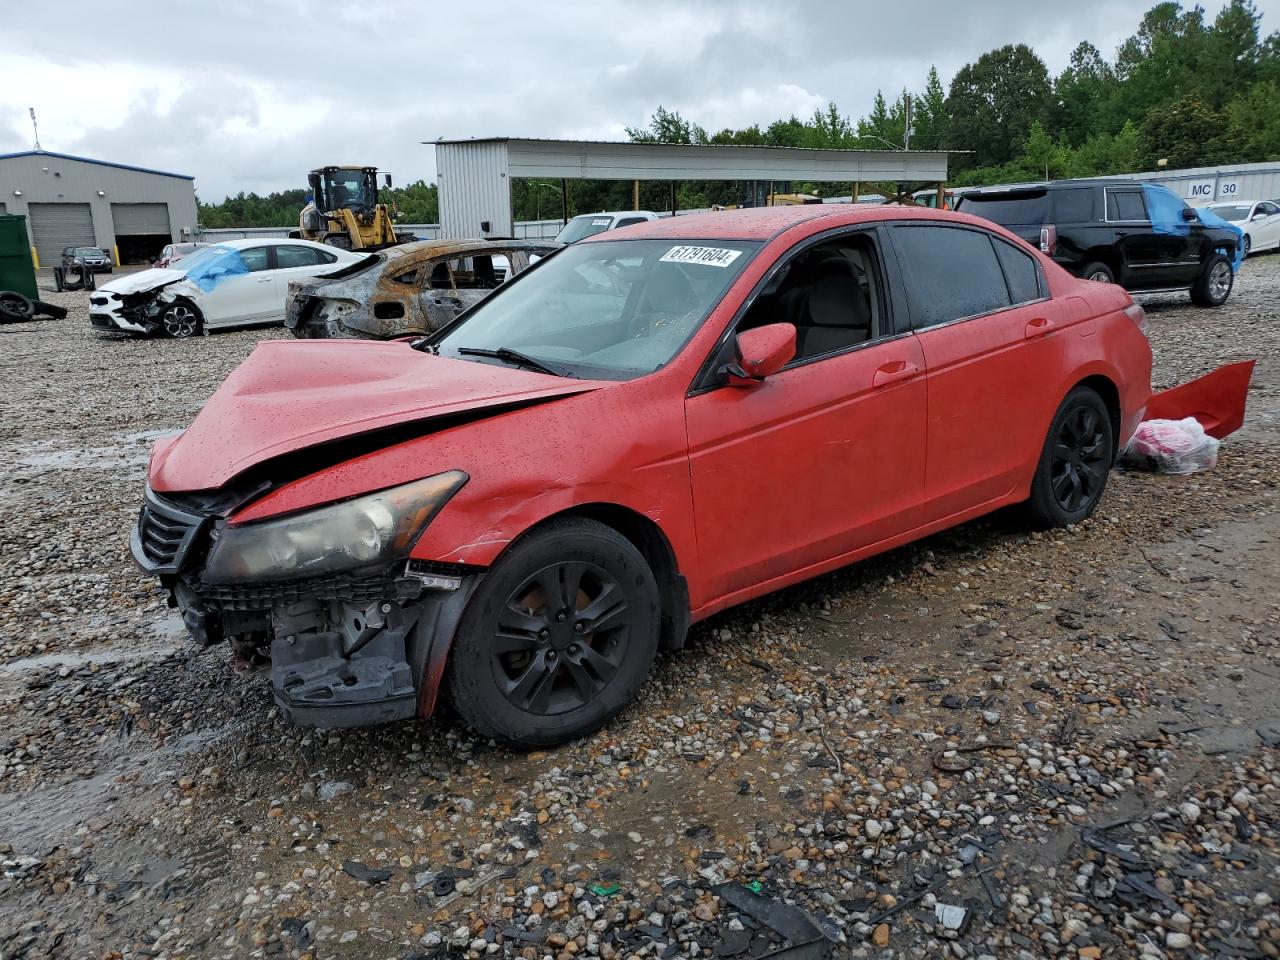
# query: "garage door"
58,225
140,219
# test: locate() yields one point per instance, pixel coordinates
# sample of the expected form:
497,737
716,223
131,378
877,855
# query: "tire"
519,672
1075,461
1213,286
15,308
1248,245
339,240
181,320
1098,271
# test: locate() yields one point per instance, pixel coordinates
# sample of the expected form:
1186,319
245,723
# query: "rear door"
296,261
989,334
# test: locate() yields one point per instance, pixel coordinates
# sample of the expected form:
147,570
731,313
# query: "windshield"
1007,209
608,310
1235,213
86,252
348,188
204,255
580,228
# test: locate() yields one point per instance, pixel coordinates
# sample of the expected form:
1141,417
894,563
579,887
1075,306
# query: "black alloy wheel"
1074,462
559,636
1081,459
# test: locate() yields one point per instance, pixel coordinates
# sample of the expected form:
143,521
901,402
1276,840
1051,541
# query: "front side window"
952,273
1126,205
612,310
255,259
829,292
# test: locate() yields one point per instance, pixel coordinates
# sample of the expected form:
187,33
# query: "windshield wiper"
516,357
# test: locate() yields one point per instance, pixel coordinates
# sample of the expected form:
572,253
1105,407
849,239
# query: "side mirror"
1258,216
1189,215
762,352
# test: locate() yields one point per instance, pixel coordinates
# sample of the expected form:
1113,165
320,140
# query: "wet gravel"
993,743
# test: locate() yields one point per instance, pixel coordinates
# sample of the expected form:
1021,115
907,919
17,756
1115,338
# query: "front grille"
264,596
164,535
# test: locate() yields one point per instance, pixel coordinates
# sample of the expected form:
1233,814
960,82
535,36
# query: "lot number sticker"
601,222
705,256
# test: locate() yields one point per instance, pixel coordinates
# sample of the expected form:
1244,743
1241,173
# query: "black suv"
1100,230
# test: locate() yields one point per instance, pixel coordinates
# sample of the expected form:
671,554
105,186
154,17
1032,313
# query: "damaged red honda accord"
647,427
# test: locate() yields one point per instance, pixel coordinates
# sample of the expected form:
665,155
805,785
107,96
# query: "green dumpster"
16,270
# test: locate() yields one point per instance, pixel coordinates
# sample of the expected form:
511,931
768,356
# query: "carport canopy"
475,175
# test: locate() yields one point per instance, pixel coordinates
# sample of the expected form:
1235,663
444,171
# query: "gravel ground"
991,743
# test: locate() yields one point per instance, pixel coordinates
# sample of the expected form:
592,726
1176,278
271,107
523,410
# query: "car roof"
462,248
764,223
241,243
616,213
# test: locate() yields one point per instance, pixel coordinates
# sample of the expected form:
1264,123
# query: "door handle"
264,279
1037,328
894,372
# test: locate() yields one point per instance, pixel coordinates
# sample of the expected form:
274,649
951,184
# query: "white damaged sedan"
226,284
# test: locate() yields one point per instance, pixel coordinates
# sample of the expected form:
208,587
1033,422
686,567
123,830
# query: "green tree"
667,126
1081,92
929,117
994,101
1254,120
1187,133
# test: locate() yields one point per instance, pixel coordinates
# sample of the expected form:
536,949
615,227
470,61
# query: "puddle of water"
112,457
83,658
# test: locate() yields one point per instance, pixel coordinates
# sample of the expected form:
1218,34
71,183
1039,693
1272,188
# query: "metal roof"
101,163
652,144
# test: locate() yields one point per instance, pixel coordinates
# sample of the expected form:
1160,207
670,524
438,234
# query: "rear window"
1126,205
1008,209
954,273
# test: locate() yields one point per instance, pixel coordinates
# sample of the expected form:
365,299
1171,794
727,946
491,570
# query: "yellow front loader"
344,210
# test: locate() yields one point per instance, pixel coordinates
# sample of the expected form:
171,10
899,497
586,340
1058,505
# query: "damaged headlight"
373,530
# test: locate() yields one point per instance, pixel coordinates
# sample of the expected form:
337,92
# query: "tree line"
1184,88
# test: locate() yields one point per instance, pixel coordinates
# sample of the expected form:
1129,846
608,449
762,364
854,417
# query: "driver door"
244,297
825,457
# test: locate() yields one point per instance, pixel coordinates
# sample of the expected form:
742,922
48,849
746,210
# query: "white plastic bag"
1171,446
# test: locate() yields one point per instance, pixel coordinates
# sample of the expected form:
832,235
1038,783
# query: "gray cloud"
249,96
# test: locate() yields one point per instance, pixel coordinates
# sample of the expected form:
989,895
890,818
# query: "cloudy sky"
249,96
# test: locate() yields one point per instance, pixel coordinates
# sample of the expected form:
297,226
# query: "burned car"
413,288
650,427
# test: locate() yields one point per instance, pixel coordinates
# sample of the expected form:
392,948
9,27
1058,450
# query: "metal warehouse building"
131,212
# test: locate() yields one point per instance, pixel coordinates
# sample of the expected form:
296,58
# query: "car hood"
143,280
290,395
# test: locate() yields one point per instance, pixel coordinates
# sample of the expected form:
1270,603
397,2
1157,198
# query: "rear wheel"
559,637
1215,282
1075,461
339,240
181,319
1098,272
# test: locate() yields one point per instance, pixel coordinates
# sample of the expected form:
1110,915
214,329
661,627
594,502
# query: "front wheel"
559,637
1075,461
1215,282
181,320
339,240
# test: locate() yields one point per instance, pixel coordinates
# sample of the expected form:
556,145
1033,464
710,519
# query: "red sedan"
648,427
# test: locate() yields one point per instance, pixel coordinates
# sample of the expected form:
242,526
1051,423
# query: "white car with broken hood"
228,284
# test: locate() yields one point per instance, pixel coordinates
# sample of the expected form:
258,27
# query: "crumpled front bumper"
345,651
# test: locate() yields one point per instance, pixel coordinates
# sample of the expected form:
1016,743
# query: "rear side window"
288,255
1074,205
952,273
1125,205
628,221
1021,272
1012,209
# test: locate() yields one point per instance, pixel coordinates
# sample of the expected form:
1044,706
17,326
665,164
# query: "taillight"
1048,239
1139,317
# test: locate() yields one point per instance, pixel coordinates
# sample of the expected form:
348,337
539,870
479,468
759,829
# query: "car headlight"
371,531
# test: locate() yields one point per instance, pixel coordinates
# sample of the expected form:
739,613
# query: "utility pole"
906,130
34,129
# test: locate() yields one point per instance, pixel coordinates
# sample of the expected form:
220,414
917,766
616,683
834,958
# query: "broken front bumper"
345,651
